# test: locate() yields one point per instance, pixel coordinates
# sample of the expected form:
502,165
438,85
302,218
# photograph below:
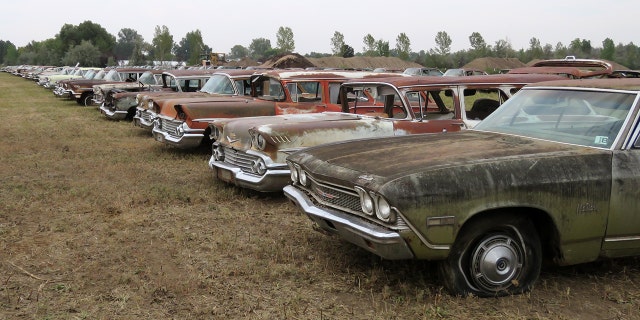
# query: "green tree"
86,54
503,49
191,47
630,56
47,52
139,54
382,48
608,49
403,46
238,52
575,48
585,46
337,41
259,48
478,45
547,51
71,36
560,50
535,49
11,58
346,51
162,44
369,48
128,39
444,43
8,53
285,40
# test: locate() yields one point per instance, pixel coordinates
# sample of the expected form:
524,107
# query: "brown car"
183,123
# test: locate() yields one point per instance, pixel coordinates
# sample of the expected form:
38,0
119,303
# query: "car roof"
631,84
195,72
577,68
481,79
326,74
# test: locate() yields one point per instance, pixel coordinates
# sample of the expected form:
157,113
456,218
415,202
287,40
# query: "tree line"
89,44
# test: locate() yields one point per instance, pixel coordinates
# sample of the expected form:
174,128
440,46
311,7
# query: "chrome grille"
146,116
239,159
170,126
339,198
346,200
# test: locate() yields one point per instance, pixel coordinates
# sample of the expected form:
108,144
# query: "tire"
496,256
87,100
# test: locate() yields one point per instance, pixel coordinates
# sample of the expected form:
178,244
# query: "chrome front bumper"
383,242
272,181
113,114
185,141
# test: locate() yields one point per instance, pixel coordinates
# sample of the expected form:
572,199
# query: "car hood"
295,131
385,159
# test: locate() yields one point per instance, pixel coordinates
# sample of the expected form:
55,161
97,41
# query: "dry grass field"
99,221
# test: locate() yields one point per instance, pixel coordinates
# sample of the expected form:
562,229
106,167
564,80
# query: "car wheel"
496,256
87,100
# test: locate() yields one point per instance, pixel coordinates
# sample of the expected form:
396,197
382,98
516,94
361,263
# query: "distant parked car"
423,72
175,83
149,80
552,175
51,81
463,72
82,91
121,105
569,67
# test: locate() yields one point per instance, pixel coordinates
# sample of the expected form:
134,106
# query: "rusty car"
120,104
569,67
176,83
460,72
552,175
147,81
251,152
183,123
81,90
51,82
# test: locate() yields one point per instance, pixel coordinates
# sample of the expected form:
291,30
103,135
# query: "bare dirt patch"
99,221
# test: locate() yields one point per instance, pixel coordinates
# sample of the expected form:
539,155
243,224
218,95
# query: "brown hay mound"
288,60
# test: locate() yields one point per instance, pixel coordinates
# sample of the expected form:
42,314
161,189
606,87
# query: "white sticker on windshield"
604,140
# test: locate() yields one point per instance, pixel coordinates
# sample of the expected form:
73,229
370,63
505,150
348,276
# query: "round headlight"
259,167
384,210
294,173
367,203
261,143
218,153
150,105
303,178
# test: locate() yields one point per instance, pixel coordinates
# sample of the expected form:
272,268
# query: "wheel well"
546,229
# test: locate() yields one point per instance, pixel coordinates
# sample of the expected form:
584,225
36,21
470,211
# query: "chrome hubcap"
496,262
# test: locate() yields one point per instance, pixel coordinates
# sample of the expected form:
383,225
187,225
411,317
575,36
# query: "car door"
623,228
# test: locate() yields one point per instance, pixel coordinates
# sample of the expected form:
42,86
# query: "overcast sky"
224,24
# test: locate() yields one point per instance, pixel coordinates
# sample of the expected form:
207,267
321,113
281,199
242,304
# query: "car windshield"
583,117
147,78
112,76
454,72
218,84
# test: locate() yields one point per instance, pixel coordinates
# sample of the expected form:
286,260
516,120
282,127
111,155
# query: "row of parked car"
491,175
